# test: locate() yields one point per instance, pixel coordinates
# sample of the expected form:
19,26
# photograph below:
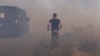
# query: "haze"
71,12
77,13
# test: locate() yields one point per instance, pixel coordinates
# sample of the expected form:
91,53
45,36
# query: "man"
55,26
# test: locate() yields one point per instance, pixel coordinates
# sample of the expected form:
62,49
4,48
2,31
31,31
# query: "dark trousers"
55,36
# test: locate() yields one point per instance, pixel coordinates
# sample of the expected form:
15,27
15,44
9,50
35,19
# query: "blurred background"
77,17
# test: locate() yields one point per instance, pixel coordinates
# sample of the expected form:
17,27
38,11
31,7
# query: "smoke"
77,13
71,12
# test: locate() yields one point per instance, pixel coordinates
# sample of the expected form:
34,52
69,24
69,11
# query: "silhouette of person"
55,25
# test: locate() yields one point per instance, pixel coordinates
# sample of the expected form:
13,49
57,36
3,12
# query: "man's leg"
55,36
52,39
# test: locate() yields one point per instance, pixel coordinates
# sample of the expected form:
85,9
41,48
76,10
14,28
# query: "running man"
55,25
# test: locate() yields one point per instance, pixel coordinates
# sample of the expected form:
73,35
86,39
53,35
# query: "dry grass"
81,42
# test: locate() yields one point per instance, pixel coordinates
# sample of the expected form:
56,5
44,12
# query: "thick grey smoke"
71,12
77,13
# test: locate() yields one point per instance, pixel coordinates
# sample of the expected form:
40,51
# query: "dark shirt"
54,24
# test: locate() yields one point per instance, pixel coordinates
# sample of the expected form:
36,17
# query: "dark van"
13,21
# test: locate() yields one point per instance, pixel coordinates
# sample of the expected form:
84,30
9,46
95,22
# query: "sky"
70,12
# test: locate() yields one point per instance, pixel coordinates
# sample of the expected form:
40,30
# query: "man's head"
54,15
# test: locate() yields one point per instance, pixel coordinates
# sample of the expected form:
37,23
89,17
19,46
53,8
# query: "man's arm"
60,25
48,26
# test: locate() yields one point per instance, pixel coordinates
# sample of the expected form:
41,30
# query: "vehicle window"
2,15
